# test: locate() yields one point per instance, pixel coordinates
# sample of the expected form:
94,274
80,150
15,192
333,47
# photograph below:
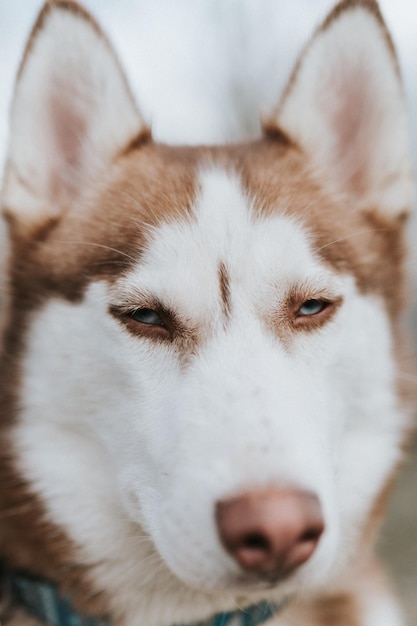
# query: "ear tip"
345,6
69,6
54,7
370,7
51,9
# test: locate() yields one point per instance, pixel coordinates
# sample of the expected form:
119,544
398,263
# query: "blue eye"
312,307
146,316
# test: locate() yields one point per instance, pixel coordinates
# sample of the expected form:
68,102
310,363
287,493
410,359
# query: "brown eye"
146,316
312,307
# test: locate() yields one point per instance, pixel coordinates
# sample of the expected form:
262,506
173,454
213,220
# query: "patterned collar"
44,602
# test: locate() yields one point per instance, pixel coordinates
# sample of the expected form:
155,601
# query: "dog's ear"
344,106
71,115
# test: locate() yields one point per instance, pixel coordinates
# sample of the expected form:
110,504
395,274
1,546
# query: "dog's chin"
251,585
246,584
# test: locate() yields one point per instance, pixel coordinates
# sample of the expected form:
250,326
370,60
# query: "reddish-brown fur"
104,235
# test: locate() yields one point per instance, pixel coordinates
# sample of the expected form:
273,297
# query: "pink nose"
270,532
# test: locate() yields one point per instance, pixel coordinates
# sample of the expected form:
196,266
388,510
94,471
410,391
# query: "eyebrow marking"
224,281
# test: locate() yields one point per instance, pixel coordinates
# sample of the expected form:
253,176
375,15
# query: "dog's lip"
279,604
266,580
256,583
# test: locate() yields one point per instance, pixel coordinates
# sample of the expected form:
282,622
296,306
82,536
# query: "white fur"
168,441
129,444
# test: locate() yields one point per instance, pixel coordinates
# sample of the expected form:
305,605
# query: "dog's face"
197,327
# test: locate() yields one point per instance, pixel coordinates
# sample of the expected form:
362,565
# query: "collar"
44,602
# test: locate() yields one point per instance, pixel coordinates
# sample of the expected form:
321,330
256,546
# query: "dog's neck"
43,601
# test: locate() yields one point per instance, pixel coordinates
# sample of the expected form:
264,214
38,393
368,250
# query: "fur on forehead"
68,232
153,185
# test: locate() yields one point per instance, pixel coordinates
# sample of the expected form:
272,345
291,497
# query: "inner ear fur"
344,106
72,113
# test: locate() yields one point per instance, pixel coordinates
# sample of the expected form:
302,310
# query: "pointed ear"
345,107
72,113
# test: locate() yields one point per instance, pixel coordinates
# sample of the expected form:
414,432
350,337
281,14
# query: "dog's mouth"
265,580
249,583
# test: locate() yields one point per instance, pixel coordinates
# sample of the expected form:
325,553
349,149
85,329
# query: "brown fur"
224,282
20,618
104,236
41,269
330,610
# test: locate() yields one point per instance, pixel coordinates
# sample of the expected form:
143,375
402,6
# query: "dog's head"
199,354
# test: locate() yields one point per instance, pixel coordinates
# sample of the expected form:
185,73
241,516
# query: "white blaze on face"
120,433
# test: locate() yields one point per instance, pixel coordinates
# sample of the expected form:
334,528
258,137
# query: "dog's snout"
270,532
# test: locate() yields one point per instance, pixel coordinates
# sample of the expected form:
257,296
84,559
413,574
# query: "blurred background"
169,49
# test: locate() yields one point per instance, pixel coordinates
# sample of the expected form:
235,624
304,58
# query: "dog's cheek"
147,455
365,386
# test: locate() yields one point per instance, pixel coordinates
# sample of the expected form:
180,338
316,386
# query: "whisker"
137,569
98,245
350,236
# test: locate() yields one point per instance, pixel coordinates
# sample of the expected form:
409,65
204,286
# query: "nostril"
253,551
256,541
312,534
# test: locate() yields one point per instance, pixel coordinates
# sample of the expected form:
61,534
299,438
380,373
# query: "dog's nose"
270,532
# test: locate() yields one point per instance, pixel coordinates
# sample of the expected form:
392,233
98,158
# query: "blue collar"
44,602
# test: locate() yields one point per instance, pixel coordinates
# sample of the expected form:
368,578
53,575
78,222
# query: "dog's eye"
312,307
145,322
146,316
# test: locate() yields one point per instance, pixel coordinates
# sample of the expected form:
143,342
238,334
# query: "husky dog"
202,397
